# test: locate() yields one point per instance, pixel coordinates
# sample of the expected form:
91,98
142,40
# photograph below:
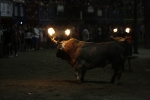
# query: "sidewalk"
143,53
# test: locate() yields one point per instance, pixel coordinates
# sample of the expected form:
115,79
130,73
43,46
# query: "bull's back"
99,52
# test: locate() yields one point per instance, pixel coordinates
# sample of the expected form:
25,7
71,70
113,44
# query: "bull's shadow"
86,81
98,82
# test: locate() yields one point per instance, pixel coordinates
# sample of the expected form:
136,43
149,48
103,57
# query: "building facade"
63,11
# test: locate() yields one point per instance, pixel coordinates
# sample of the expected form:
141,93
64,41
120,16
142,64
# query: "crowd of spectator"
24,38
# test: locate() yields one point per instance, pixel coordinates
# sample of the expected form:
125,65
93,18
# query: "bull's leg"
80,71
118,76
80,76
113,77
115,73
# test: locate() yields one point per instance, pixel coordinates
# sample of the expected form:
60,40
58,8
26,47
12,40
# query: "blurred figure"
142,31
86,35
36,36
8,40
45,36
77,32
1,41
28,38
16,39
99,34
41,33
21,38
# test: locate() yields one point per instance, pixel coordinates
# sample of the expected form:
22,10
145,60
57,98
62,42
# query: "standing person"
142,31
76,35
105,32
1,41
41,32
45,37
99,34
110,31
28,38
86,35
21,38
36,36
8,51
33,39
16,39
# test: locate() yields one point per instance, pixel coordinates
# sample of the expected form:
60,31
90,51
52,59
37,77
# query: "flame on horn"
54,40
51,32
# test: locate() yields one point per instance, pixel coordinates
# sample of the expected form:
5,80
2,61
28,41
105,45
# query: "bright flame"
67,32
51,31
115,30
127,30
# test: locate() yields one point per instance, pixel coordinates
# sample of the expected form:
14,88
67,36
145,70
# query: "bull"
83,56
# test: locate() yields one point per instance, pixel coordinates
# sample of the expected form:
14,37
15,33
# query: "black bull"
83,56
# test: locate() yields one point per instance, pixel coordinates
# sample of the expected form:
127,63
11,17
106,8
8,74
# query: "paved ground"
39,75
143,53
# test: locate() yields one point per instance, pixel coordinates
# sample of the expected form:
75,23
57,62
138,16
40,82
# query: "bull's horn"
56,42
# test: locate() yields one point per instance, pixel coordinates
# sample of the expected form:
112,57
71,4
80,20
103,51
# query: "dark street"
39,75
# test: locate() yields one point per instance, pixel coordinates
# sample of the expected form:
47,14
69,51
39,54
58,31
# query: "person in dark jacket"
8,41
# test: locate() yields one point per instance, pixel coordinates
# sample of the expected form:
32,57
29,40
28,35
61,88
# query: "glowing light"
51,31
115,30
127,30
67,32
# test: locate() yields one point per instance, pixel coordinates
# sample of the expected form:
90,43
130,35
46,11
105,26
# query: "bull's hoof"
118,83
79,82
112,81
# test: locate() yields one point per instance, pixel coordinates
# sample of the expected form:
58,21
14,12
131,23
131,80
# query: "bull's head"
51,32
61,52
54,37
60,44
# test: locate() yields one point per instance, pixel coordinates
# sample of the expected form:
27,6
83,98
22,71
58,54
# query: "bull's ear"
59,46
